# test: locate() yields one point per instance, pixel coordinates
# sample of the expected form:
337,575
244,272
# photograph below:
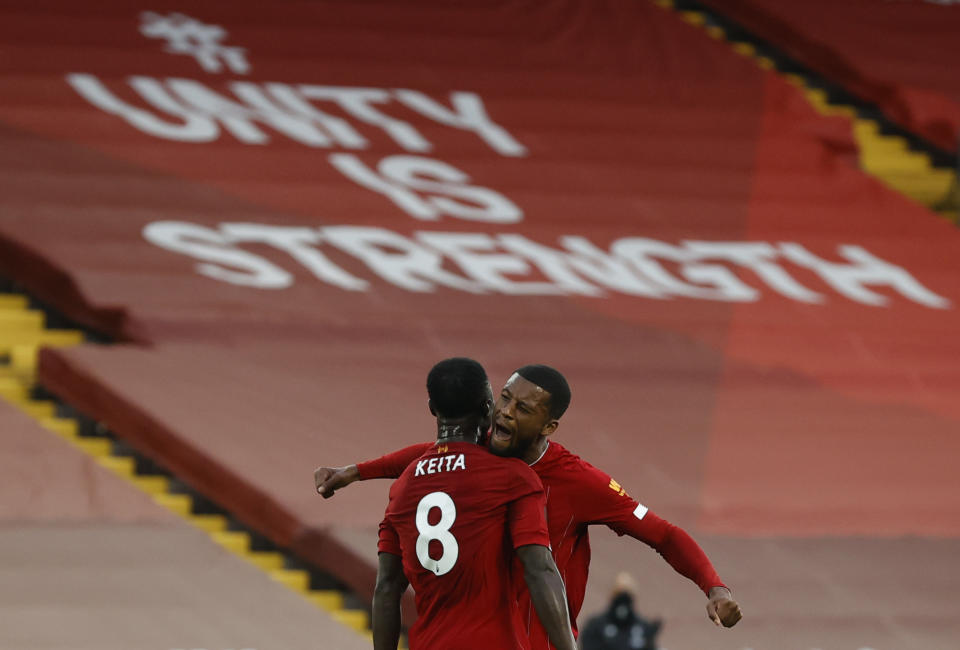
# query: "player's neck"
536,451
458,430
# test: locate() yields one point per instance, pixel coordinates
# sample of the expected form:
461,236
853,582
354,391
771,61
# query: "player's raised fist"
328,480
722,608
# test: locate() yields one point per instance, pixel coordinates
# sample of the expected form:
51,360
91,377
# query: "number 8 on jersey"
439,531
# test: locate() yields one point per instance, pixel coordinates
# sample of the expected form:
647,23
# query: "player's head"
459,390
528,409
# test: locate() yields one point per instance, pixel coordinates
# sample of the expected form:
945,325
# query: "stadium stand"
287,224
900,55
90,562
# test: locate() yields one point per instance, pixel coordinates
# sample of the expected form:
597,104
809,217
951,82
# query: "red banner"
604,189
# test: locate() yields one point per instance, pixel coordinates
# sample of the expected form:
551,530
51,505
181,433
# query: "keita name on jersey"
449,463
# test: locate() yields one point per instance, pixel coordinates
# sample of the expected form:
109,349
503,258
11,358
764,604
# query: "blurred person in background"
620,627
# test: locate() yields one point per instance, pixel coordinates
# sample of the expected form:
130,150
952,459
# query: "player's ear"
486,408
433,411
549,428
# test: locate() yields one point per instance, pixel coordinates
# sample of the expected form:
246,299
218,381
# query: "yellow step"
13,389
13,301
181,504
155,485
235,541
98,447
693,17
746,49
29,319
209,523
887,145
329,600
38,409
292,578
928,191
766,63
52,338
354,618
866,129
267,560
23,360
881,164
715,31
796,80
122,465
62,426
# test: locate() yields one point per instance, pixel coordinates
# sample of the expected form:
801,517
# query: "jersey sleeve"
526,514
605,502
392,465
388,540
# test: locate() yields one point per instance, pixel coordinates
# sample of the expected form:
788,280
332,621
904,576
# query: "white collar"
541,455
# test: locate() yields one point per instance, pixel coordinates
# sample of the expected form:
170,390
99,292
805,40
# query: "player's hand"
722,609
328,480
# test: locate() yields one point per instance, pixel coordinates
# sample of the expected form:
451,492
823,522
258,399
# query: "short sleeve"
389,541
526,514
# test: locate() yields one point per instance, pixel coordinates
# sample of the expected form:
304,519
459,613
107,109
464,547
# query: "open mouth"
501,435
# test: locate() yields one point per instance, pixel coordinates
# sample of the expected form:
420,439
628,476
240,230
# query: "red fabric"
392,465
635,125
580,495
487,506
901,55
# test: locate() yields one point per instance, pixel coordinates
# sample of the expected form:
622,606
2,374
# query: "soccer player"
578,495
455,516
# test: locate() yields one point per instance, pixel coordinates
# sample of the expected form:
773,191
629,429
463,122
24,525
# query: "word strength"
352,258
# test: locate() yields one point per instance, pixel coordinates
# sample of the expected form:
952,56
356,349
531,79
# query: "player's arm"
328,480
391,583
526,517
548,594
686,557
606,502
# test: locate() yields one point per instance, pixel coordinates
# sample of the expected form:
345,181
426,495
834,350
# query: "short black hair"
552,381
457,387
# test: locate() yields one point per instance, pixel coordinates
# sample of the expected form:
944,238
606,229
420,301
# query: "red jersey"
579,495
455,516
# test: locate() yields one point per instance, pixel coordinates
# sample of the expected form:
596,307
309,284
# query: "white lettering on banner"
397,259
757,257
866,270
195,127
297,242
221,261
339,129
722,284
468,114
631,266
239,119
474,253
186,35
399,178
291,111
359,102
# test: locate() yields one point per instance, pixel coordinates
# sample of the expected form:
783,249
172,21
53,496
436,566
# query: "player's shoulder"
568,466
508,470
560,458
